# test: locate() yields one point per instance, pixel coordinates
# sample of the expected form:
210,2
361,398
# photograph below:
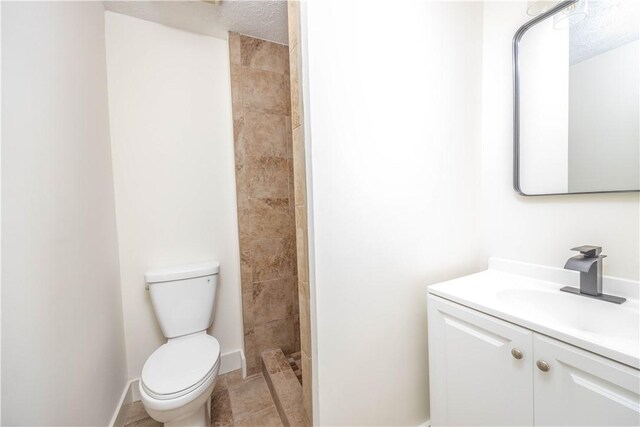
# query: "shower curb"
285,388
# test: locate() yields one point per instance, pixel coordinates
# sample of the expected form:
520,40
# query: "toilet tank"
183,297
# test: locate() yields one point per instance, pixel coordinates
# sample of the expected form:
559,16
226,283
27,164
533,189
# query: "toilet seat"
180,366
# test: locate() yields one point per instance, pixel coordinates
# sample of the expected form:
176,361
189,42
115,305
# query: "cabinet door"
581,388
474,379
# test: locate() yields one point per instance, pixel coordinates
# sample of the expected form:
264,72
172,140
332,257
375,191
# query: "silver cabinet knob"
543,366
517,354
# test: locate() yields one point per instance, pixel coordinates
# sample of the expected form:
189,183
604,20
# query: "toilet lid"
180,365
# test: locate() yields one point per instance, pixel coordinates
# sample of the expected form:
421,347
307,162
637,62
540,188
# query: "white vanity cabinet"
486,371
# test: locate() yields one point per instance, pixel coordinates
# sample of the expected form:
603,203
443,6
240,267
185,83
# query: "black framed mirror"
576,74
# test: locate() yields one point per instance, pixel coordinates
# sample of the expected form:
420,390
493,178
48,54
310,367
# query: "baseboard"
135,390
425,424
119,416
232,361
228,362
244,365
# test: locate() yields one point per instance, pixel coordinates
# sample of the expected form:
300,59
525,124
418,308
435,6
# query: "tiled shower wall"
264,183
300,193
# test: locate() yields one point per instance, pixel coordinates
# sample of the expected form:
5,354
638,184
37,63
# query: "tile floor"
235,402
295,360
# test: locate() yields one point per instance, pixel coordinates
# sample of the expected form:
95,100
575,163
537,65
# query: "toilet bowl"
178,378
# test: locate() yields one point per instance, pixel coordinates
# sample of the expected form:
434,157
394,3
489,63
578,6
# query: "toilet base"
200,418
196,413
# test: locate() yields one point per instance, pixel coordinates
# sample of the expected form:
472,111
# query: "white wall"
63,350
604,121
542,229
394,122
544,109
172,141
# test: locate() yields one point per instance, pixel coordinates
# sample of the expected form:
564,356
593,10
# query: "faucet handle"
588,251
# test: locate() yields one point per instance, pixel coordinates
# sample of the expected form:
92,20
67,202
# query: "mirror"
576,99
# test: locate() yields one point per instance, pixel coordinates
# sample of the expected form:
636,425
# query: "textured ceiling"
609,24
265,19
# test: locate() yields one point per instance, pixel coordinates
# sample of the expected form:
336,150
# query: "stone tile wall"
264,183
300,195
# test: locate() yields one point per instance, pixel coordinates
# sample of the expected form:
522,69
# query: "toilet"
178,378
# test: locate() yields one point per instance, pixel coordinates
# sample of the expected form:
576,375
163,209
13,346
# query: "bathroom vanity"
506,347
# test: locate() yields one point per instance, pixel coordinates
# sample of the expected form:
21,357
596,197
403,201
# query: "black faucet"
589,264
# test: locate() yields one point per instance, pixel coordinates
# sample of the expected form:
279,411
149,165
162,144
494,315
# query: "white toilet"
178,378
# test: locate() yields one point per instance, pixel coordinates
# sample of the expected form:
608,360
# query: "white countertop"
529,295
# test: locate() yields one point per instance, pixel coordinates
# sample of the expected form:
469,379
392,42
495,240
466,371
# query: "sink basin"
575,312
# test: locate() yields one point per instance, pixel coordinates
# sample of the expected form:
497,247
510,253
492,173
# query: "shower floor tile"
295,360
